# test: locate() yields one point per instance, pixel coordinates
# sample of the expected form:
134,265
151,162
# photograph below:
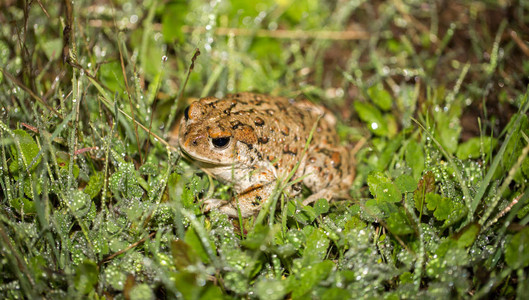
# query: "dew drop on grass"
358,278
247,20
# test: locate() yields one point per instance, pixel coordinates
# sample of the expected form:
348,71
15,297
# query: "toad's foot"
226,207
323,194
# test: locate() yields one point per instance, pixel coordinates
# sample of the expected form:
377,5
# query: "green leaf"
53,48
309,277
141,291
445,208
23,205
124,181
523,212
399,224
183,254
393,126
295,238
271,289
414,157
388,152
307,214
472,148
192,239
406,277
80,203
448,254
188,197
111,76
383,189
185,283
466,237
95,184
380,96
406,183
256,237
212,292
316,247
374,180
5,54
149,169
388,192
448,127
335,293
517,250
373,117
63,160
525,167
354,223
86,276
321,206
439,204
29,149
426,185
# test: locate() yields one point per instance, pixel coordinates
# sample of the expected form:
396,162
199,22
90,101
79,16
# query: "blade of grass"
499,156
153,90
178,106
120,50
503,188
282,184
203,235
18,264
459,175
211,80
110,105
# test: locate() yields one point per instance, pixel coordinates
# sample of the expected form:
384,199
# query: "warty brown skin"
253,140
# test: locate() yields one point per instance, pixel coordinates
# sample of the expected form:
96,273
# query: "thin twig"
109,258
285,34
29,91
43,9
344,35
519,42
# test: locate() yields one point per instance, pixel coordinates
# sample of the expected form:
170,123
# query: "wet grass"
95,205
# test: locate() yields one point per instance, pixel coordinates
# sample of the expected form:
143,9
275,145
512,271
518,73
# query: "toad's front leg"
250,201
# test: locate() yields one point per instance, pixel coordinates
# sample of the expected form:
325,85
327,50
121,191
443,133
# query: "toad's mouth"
202,162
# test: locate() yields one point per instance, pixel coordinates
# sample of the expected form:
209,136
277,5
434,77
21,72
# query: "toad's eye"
220,142
186,113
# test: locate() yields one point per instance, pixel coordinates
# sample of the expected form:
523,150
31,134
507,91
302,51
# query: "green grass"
93,206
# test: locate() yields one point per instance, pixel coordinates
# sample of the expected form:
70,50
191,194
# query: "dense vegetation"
93,206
